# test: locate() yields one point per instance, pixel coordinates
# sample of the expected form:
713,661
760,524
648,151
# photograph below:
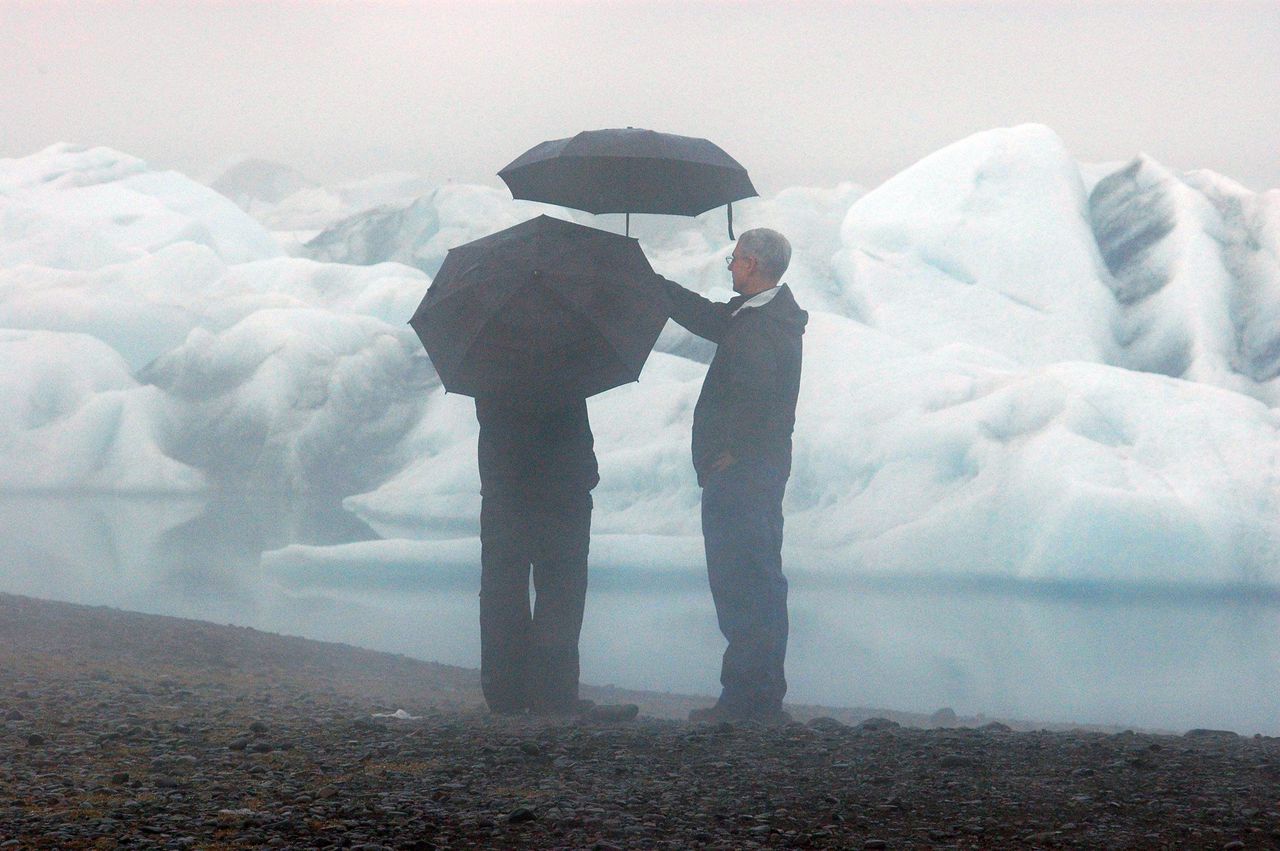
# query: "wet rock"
825,722
613,713
944,717
955,760
520,815
878,724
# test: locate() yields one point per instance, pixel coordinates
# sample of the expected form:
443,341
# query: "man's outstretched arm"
702,316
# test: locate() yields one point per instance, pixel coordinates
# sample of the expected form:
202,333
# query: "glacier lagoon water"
1165,657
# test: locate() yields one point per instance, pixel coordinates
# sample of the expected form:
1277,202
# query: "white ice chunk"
308,401
987,243
129,207
76,420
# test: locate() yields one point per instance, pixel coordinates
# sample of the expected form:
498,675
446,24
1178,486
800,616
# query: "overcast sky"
799,92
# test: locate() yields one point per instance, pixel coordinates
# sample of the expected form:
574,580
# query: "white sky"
800,92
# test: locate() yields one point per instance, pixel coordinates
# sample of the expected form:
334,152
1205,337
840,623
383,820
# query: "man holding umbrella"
537,469
531,321
742,428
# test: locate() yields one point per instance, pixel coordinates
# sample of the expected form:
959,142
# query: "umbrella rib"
586,319
492,316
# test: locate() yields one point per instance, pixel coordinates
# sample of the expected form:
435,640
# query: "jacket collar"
760,299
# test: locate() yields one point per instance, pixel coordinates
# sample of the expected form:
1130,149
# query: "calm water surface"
1153,657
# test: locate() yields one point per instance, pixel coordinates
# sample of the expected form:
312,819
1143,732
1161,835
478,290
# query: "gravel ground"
139,731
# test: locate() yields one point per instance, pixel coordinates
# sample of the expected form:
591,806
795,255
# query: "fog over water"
1091,653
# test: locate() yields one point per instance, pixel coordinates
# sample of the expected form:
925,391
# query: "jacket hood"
783,308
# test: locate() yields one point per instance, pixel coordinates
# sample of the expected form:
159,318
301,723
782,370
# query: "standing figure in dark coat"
537,469
742,428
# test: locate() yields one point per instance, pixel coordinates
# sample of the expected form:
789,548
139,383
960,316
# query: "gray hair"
770,248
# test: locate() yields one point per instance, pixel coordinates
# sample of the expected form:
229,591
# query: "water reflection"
209,555
1171,657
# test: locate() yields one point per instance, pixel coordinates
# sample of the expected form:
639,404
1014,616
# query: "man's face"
740,266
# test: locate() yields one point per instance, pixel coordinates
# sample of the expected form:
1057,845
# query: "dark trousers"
742,532
529,656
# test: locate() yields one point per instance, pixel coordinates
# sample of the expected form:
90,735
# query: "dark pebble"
956,761
825,722
876,724
520,815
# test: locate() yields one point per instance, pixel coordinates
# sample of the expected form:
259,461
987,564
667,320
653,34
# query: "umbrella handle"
731,221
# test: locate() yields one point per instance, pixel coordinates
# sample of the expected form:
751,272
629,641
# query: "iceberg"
130,208
1018,366
76,420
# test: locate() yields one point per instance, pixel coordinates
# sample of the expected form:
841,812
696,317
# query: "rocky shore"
126,730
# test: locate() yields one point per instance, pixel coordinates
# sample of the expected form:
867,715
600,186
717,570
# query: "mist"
809,93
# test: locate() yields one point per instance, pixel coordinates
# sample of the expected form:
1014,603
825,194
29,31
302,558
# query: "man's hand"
723,462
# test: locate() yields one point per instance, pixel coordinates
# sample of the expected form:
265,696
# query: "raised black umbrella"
541,312
630,171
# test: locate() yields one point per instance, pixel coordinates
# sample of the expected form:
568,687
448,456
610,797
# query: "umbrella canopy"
629,171
542,312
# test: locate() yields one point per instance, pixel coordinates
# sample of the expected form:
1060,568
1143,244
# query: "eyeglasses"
728,261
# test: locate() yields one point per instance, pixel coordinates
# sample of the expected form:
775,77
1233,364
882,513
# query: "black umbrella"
630,171
544,311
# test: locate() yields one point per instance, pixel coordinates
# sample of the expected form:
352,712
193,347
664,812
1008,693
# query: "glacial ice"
1017,366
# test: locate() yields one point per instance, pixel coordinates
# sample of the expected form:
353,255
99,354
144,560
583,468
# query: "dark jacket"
748,402
530,450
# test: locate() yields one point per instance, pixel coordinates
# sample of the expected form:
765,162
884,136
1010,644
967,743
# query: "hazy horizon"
807,93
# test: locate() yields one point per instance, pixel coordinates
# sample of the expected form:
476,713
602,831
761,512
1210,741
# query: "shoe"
771,717
714,715
578,708
718,713
508,711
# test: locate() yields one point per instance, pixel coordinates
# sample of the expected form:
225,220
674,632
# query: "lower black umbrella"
544,311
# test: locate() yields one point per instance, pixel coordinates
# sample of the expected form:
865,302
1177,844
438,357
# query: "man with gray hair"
742,428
